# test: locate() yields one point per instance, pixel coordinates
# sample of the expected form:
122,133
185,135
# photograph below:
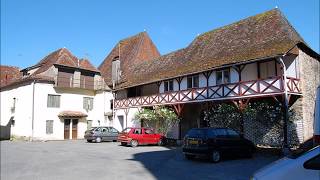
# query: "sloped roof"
264,35
8,74
73,114
27,80
65,58
133,50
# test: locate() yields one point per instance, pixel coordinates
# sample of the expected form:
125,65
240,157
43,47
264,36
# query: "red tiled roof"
65,58
264,35
8,74
74,114
28,79
133,50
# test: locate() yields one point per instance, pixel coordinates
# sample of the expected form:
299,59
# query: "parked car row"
130,136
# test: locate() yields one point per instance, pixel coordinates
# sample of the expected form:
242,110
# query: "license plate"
193,142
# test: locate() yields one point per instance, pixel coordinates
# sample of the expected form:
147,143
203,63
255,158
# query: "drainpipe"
32,116
286,107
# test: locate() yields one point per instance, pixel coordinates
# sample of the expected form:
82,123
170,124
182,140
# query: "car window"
232,133
313,163
148,131
114,130
197,133
221,132
104,130
126,130
97,129
137,131
211,133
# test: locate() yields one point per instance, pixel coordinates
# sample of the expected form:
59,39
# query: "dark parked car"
99,134
215,143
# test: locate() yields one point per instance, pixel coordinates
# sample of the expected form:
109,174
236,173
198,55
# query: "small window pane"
221,132
196,81
166,86
171,85
219,77
189,82
87,103
49,126
53,100
226,76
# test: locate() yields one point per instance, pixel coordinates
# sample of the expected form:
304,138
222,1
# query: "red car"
138,136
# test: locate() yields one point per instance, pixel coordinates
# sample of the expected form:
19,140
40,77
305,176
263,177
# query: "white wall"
131,122
70,100
23,108
292,64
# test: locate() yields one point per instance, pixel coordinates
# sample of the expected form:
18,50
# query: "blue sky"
31,29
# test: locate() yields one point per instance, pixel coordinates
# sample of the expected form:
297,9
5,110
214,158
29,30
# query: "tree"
161,118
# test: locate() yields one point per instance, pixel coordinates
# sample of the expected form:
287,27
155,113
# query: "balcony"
81,83
244,89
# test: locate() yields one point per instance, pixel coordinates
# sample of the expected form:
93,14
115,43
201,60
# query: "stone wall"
310,80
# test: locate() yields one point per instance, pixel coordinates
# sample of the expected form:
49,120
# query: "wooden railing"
78,83
262,87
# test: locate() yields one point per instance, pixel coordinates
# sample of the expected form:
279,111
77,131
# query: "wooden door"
74,128
67,129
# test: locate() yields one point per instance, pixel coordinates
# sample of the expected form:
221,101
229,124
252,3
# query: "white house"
58,98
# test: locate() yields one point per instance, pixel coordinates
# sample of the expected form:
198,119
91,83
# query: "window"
232,133
223,76
193,81
221,133
89,124
111,104
113,130
137,131
168,85
148,131
49,127
87,103
267,69
53,101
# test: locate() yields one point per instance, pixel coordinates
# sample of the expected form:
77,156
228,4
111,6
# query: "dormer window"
193,81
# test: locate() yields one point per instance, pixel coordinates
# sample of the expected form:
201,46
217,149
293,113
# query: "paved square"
66,160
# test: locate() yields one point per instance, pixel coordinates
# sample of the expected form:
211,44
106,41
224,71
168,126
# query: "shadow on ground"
171,164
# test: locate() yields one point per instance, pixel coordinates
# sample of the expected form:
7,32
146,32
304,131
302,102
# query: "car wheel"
160,142
123,144
215,156
89,140
134,143
98,140
189,156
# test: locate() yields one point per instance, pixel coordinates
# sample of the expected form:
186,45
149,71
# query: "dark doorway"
67,129
74,128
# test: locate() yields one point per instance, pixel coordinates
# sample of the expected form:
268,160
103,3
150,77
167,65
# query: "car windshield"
126,130
197,133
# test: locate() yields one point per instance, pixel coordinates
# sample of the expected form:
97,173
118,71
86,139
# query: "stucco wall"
131,122
70,100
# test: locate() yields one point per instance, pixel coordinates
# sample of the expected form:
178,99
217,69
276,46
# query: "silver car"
99,134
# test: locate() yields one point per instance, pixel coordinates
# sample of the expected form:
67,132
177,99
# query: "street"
81,160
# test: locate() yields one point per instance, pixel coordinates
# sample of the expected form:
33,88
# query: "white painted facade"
71,99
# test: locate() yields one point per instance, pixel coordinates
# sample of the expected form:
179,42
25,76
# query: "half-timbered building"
258,57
